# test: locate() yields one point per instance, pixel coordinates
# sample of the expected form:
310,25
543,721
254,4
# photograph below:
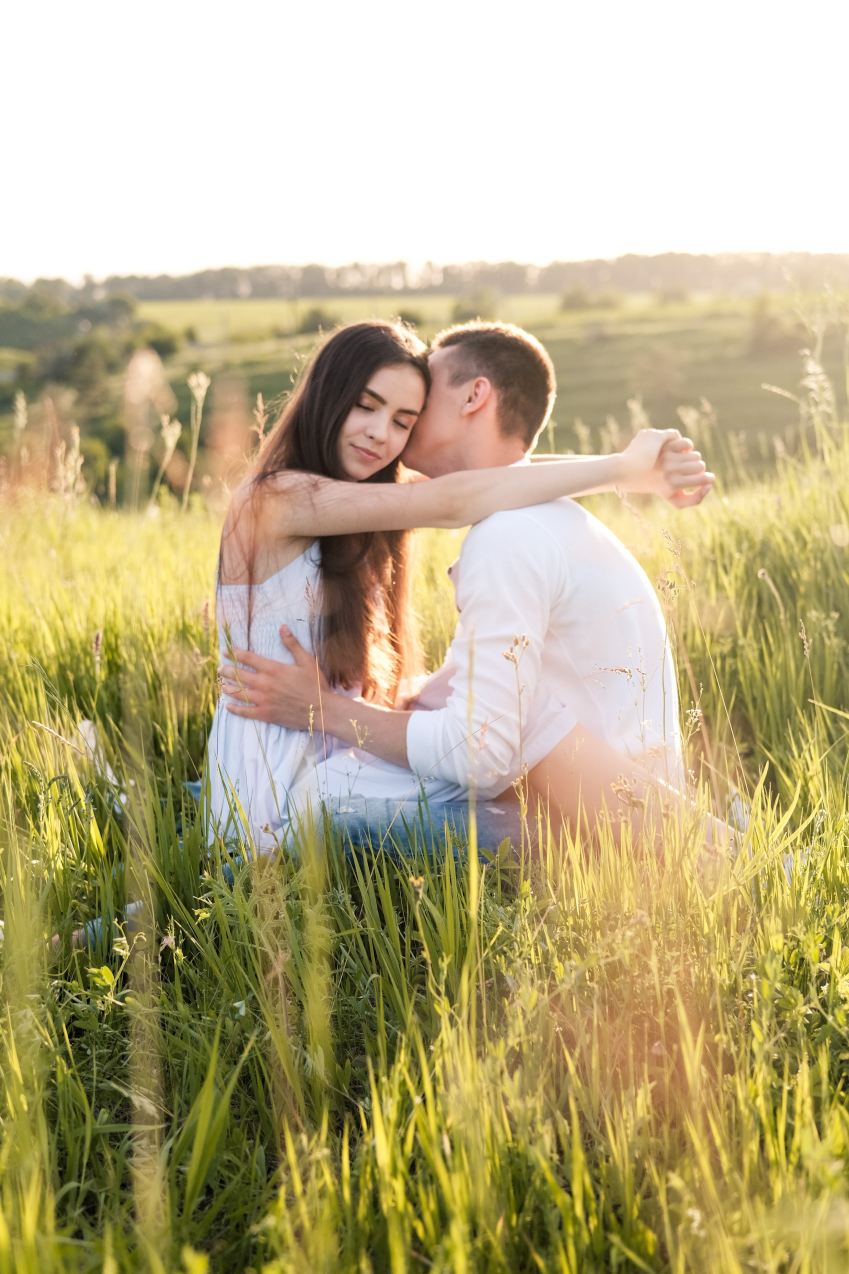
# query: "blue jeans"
368,822
372,822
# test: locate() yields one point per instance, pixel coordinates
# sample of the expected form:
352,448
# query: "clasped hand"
264,689
663,463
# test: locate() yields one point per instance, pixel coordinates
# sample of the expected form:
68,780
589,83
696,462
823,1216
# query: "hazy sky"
167,137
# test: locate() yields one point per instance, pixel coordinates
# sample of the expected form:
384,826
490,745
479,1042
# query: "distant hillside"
671,273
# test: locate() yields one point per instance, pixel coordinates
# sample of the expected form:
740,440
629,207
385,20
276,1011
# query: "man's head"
492,390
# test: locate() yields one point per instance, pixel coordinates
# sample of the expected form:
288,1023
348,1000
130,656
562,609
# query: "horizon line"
80,280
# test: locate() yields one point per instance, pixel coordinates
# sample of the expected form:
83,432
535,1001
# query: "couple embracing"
560,672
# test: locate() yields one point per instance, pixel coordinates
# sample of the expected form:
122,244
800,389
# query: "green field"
709,354
666,355
600,1059
224,321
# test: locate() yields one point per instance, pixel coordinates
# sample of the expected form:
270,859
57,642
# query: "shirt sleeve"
510,571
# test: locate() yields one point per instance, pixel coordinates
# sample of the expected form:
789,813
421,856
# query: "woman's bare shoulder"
242,509
238,536
291,481
250,500
253,545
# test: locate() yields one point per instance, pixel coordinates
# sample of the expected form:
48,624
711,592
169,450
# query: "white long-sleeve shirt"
559,626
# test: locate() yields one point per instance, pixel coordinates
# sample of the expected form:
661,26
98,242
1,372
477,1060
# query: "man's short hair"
516,364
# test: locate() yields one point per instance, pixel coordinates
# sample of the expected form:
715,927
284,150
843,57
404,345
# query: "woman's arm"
681,470
305,505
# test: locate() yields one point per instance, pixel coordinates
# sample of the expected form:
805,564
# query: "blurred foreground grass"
592,1061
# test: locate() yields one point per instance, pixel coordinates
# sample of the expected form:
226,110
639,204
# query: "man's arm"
298,697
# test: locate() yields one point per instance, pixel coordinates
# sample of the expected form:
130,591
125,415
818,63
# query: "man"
560,667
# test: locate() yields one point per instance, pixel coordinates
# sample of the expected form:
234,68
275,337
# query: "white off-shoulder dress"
253,766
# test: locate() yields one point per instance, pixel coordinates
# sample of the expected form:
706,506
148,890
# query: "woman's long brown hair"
365,635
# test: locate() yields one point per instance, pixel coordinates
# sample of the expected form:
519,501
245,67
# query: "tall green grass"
593,1059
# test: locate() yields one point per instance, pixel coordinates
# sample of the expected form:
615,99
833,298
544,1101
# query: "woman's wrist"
621,470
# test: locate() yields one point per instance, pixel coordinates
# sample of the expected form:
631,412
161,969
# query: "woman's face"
378,427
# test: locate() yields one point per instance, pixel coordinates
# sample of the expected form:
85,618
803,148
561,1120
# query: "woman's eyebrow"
402,411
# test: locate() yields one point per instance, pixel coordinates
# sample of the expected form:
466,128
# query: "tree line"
667,273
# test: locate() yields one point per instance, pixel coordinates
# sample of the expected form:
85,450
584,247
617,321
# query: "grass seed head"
20,417
198,383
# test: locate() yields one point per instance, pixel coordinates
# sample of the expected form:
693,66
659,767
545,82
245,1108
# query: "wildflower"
198,383
517,647
696,1220
171,430
839,534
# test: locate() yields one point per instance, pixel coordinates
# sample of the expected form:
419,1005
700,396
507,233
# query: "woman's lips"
368,455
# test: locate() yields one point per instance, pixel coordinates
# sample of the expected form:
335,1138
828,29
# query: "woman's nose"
376,427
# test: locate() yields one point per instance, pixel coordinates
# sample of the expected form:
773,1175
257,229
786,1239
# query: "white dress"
252,766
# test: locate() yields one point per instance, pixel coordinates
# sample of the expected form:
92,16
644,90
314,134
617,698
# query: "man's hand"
661,462
298,697
267,690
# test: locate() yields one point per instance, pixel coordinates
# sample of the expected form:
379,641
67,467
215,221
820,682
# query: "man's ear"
476,394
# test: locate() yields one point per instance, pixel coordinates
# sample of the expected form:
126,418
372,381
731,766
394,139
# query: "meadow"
665,352
727,365
588,1059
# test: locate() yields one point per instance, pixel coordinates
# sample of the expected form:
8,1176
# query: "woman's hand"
661,462
264,689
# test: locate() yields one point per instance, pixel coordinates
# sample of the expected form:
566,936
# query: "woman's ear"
477,393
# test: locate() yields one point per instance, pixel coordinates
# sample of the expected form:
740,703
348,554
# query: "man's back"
559,626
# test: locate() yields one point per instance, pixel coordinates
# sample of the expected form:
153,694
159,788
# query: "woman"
316,538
